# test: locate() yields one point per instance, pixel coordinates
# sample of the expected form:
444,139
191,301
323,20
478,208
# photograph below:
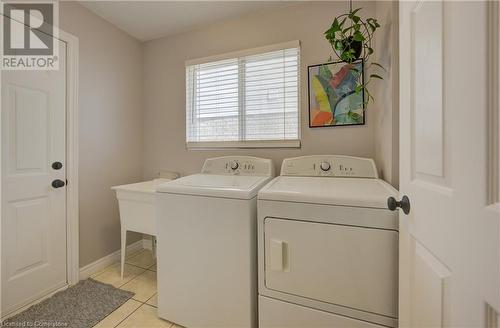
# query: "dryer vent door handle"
278,255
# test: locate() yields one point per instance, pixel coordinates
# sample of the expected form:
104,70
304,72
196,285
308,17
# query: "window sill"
205,145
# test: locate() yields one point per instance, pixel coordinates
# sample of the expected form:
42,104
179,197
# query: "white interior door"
33,210
449,242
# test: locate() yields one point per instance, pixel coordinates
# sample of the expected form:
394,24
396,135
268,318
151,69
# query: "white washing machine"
207,244
328,246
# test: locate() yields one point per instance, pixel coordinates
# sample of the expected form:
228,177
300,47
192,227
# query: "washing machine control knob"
325,166
234,165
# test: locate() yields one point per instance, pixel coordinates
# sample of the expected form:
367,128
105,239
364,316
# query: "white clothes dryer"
328,246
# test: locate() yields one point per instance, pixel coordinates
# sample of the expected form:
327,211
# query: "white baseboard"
147,242
107,260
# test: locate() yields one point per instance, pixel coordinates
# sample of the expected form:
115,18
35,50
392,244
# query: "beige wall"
164,85
132,103
110,104
386,129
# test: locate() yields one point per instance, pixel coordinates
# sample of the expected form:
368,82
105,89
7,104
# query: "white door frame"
494,104
493,137
72,209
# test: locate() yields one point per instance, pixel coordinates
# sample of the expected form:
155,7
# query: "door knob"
57,165
58,183
404,204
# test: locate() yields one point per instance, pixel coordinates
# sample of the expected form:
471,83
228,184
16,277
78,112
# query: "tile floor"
140,278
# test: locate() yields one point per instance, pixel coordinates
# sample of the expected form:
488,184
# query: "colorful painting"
333,99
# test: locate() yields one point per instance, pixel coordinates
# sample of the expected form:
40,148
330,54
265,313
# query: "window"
244,99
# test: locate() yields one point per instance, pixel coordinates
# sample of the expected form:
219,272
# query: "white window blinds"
244,99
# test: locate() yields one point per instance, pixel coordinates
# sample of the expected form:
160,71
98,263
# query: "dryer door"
349,266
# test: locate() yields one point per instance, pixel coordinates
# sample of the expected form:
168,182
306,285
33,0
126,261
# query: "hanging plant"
350,37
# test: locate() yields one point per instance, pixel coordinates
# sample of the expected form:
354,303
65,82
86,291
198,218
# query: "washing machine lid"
216,185
355,192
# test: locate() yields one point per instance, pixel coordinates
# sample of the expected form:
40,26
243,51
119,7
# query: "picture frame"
332,98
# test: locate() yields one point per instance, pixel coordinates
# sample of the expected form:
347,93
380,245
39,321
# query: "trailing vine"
350,37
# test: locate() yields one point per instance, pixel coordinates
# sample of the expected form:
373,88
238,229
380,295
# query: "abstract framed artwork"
333,100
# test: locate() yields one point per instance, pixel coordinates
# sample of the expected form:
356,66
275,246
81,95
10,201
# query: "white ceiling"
147,20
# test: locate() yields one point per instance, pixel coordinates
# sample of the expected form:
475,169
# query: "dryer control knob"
325,166
234,165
